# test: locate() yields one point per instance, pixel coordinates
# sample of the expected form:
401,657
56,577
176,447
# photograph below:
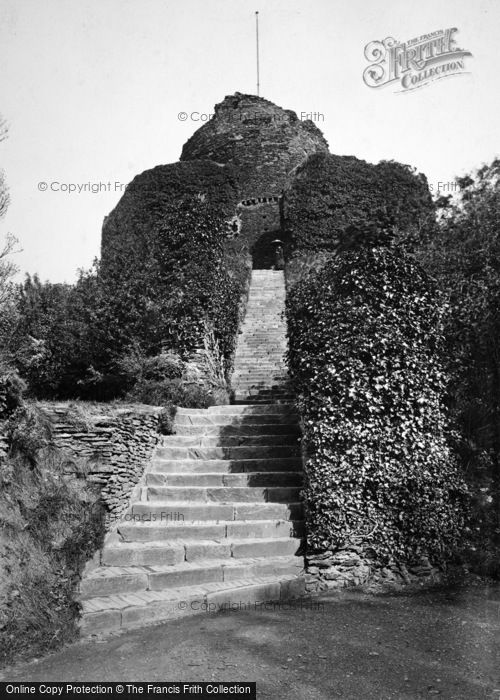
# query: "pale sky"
92,90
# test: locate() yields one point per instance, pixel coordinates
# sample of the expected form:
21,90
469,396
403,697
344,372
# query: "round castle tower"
259,146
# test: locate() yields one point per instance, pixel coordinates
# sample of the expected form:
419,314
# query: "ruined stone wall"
118,442
261,140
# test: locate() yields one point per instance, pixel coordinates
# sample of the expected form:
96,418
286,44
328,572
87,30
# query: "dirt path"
350,645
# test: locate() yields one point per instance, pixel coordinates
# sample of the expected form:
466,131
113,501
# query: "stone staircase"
260,372
216,521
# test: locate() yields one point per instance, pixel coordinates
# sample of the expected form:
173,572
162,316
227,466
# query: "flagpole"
257,41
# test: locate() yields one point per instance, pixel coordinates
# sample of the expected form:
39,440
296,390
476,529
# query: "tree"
464,258
8,310
4,190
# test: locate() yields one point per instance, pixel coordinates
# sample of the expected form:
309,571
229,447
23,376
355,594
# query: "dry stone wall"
117,443
354,566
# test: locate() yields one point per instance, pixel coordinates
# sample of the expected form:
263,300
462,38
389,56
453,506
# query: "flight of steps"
260,372
216,521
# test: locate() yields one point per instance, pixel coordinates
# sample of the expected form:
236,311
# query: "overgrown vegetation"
464,258
172,279
340,202
51,523
365,335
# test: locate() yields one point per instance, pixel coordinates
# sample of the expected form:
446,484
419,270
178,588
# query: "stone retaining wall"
354,566
117,442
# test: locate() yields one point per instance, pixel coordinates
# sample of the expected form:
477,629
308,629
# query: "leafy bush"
167,380
56,336
12,388
342,201
464,258
170,391
29,431
365,339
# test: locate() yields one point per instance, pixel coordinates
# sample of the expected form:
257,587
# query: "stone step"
266,362
232,453
102,615
174,552
224,494
217,517
116,580
278,377
190,512
251,358
211,466
259,365
229,440
218,479
248,374
237,410
256,382
267,335
272,389
255,350
156,531
257,373
222,431
225,420
256,397
247,344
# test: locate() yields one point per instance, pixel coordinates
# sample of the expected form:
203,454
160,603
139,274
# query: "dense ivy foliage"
164,284
365,336
464,258
162,290
343,201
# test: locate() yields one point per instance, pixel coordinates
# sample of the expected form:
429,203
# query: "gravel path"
349,645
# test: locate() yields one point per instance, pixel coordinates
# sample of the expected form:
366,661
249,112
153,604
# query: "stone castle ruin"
235,471
251,147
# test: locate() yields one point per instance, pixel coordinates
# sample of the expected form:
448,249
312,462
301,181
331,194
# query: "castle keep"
245,155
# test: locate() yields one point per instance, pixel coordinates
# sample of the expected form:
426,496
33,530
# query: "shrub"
29,431
464,258
365,337
12,388
170,391
55,336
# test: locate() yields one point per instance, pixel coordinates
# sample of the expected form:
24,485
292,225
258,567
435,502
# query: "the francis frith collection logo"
414,63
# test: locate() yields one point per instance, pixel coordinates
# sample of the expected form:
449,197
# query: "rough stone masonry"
117,442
